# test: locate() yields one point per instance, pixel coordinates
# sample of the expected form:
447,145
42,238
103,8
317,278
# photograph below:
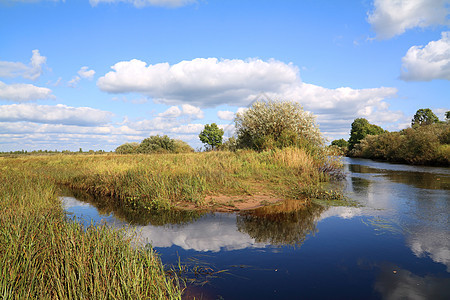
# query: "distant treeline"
43,152
426,142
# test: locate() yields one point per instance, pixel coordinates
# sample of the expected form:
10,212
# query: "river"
394,244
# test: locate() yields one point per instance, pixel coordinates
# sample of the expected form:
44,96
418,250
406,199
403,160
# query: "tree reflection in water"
289,222
132,216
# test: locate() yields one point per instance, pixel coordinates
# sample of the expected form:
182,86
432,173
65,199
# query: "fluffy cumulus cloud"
54,114
143,3
204,82
429,62
393,17
211,82
31,71
21,92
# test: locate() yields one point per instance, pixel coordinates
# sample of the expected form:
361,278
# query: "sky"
94,74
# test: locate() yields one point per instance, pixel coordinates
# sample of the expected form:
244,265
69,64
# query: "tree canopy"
340,143
424,116
360,129
157,143
269,124
211,136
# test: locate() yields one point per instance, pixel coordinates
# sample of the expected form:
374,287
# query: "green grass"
44,256
146,182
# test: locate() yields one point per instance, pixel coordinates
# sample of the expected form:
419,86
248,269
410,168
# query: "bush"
155,144
127,148
276,124
419,145
182,147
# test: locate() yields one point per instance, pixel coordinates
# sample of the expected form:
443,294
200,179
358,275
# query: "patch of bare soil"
225,203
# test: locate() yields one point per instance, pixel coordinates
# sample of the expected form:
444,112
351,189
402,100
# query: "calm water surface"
394,245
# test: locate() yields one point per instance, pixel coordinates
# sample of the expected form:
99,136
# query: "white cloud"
21,92
393,17
429,62
190,110
200,82
212,82
84,72
225,115
143,3
171,112
189,128
187,110
54,114
12,69
15,69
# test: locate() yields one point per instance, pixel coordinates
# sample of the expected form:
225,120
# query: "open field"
43,256
212,180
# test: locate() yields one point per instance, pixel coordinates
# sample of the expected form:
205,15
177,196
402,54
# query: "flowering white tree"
273,123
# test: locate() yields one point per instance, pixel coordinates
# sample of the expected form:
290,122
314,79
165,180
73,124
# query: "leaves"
211,136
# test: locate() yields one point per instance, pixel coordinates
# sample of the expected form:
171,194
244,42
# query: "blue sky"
96,74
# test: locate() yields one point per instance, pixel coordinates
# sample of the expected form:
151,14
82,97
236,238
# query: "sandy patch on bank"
225,203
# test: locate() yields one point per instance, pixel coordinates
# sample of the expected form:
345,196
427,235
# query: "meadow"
45,255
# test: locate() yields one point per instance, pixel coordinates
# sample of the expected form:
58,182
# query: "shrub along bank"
424,145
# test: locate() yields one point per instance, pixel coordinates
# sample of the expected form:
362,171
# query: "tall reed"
44,256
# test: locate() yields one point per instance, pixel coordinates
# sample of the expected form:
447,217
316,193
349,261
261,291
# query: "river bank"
45,255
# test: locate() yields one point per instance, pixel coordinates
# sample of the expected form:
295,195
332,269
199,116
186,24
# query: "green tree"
157,144
127,148
424,116
360,129
273,123
340,143
447,116
211,136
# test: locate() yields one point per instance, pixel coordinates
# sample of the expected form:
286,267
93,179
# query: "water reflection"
105,206
417,177
212,232
432,242
397,283
287,223
401,225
